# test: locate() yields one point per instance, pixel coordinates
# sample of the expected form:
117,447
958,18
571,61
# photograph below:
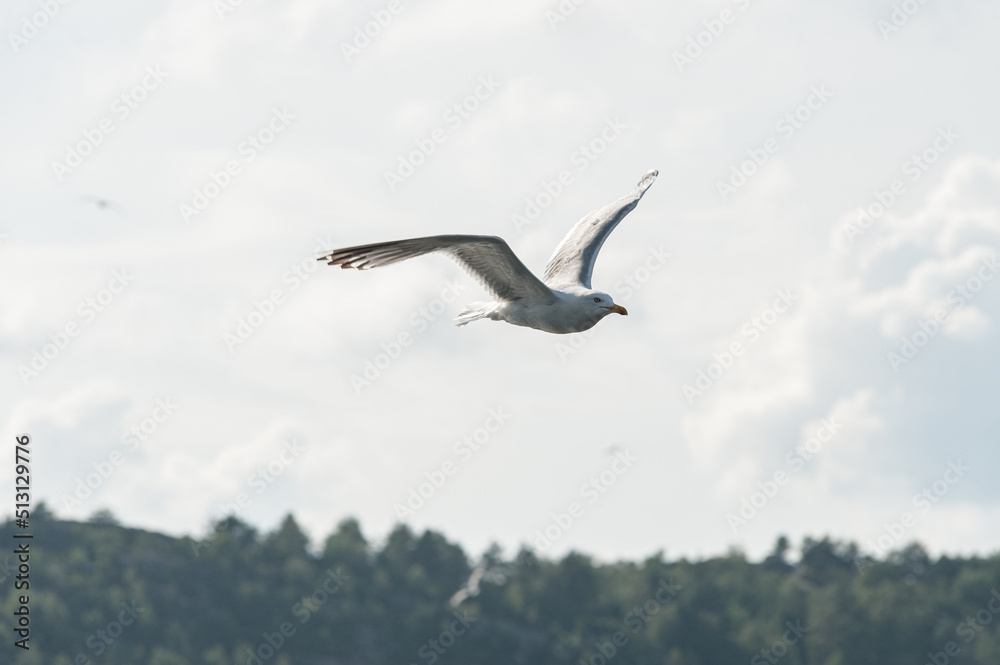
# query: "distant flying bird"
561,302
470,588
104,204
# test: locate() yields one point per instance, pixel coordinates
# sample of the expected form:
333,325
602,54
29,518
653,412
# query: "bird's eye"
597,300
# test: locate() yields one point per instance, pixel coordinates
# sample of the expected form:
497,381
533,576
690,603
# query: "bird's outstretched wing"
573,261
487,258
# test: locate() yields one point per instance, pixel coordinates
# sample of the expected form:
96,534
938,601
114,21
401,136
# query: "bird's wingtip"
648,179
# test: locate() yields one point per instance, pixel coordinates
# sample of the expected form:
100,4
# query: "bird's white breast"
563,316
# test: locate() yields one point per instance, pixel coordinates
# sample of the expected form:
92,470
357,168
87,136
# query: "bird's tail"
475,311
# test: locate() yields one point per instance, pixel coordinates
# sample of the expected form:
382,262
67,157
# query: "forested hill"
104,594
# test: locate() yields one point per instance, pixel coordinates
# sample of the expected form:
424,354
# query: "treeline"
104,594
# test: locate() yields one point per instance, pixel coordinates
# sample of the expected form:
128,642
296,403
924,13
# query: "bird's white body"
561,302
568,313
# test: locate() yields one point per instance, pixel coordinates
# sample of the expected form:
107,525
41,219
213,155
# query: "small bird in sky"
561,302
104,204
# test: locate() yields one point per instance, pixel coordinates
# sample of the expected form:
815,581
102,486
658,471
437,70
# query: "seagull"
104,204
561,302
470,588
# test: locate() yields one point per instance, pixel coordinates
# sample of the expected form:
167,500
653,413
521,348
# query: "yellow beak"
618,309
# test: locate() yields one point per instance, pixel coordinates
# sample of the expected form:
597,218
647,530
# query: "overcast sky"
788,366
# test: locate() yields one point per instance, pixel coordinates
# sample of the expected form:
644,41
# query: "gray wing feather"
487,258
573,261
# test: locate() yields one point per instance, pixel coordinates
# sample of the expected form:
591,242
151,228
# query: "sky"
812,281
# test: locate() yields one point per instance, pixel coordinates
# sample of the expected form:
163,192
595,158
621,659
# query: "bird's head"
601,304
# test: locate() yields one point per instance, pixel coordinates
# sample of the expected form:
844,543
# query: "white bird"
561,302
